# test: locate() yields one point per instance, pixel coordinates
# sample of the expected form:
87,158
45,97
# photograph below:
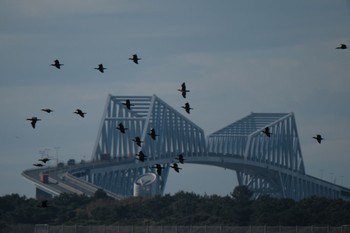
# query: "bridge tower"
175,135
269,165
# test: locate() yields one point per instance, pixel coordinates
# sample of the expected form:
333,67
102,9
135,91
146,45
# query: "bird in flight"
183,90
80,112
342,46
318,138
43,204
38,164
33,121
48,110
100,68
141,156
159,168
175,167
121,128
267,131
153,134
57,64
135,59
137,140
181,159
128,104
44,160
187,107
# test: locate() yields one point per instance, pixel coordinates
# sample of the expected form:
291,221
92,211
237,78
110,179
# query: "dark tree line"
182,208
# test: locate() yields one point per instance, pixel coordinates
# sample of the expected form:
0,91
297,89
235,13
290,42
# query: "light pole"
57,148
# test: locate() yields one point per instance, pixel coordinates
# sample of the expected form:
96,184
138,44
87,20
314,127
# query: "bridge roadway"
61,180
271,172
266,165
65,179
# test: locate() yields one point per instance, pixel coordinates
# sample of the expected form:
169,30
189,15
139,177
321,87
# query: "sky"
236,57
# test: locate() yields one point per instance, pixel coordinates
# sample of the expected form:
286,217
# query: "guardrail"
88,186
44,228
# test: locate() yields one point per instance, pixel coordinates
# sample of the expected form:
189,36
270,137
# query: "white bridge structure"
266,165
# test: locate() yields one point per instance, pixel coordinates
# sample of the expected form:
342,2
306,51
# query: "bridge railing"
89,186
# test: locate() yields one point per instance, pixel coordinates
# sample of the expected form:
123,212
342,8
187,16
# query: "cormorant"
153,134
33,121
158,168
135,59
342,46
121,128
47,110
44,160
267,131
100,68
38,164
137,140
80,112
57,64
175,167
318,138
183,90
128,104
187,107
181,159
141,156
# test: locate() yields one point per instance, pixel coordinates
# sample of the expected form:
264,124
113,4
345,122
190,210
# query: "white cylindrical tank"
146,185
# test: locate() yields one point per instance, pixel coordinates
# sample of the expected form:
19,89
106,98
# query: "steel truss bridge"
266,165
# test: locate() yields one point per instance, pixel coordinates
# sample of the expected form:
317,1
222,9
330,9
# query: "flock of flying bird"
268,133
101,68
141,156
318,137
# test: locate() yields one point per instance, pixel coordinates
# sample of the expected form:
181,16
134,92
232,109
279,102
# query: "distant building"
71,162
146,185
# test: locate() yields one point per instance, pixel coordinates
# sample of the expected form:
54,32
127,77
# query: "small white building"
146,185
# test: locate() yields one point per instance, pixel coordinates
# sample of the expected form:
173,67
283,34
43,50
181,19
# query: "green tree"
182,208
242,208
100,194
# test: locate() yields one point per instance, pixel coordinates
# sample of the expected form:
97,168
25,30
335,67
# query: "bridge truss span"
246,138
175,135
273,164
268,164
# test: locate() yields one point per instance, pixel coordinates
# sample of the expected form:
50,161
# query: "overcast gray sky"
237,57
